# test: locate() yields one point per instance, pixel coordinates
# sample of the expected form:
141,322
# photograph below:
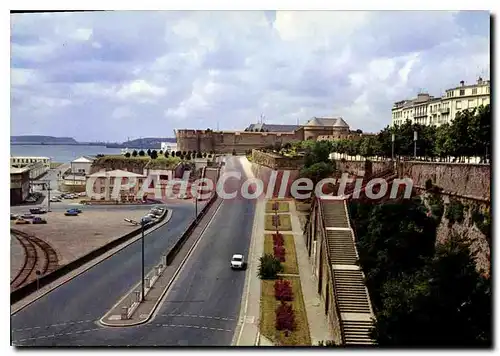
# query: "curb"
160,299
93,262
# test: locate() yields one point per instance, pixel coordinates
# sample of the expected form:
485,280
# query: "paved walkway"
319,327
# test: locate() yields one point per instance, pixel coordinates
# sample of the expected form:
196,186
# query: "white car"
237,262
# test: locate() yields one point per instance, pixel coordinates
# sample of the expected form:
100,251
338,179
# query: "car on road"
237,261
22,221
38,211
75,210
71,213
14,216
39,220
27,216
55,200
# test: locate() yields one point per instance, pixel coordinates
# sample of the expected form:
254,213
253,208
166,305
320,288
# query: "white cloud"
82,34
138,88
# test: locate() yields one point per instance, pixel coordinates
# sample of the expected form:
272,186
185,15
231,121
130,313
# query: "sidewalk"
319,327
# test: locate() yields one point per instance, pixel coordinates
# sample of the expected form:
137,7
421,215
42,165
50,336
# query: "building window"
458,105
474,91
471,104
462,92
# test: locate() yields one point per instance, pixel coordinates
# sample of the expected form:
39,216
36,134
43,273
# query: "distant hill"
145,142
39,140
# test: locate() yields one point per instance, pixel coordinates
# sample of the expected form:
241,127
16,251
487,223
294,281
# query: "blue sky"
113,75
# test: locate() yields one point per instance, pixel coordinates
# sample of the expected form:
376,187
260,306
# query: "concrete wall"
359,168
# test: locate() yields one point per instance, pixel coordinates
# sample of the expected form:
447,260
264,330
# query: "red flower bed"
283,290
285,317
278,239
279,253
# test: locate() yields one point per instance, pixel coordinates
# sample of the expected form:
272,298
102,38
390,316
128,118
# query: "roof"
327,121
116,173
237,256
273,127
14,170
83,159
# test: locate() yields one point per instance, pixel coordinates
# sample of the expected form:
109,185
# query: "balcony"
444,110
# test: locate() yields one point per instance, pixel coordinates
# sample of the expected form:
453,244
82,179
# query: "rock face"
479,243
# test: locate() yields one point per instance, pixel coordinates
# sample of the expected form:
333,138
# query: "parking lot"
74,236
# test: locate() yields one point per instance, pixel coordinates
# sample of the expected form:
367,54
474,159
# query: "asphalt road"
201,308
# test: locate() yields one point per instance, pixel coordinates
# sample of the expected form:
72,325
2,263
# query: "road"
201,308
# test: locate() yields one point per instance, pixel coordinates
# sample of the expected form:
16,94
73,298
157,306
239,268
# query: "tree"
269,267
166,154
204,155
318,151
148,152
141,153
317,172
127,154
134,153
161,152
199,155
154,154
178,153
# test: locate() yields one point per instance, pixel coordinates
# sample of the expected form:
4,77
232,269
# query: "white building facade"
82,165
428,110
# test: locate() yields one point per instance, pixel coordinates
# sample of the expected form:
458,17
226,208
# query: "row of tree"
468,135
153,154
423,294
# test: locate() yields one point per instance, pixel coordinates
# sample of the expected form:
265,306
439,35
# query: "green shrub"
455,212
269,267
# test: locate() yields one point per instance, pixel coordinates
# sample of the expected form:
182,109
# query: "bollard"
158,270
137,296
124,313
146,282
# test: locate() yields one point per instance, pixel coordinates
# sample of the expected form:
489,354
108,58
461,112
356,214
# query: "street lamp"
143,222
393,138
415,138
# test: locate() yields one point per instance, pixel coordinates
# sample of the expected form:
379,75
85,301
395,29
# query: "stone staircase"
351,294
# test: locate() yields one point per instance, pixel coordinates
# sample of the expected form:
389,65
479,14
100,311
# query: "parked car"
237,262
22,221
55,200
14,216
75,210
71,213
38,211
39,220
27,216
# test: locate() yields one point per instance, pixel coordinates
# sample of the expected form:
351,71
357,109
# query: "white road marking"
54,325
199,316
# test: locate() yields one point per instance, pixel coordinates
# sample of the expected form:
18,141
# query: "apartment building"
428,110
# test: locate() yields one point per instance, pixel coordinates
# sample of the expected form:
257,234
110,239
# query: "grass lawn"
284,225
283,207
268,305
290,264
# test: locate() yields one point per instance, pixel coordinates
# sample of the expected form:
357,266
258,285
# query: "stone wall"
360,168
467,180
276,161
281,180
226,142
109,164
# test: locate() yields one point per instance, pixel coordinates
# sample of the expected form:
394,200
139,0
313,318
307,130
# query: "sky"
126,74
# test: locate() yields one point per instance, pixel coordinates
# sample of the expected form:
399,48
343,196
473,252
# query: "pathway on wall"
351,294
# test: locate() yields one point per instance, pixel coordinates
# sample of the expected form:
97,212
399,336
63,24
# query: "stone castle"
262,135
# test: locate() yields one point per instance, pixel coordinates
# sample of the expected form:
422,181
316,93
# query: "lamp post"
142,259
415,138
393,138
